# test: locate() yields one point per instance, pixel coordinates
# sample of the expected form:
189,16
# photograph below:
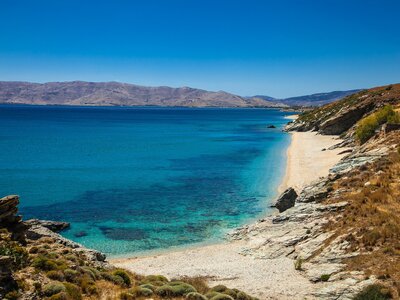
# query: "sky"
279,48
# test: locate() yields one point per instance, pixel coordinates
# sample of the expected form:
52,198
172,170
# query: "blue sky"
279,48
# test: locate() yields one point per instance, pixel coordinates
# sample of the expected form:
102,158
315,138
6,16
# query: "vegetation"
371,221
367,126
374,292
56,272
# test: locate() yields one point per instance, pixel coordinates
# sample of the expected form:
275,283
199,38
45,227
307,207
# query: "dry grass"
371,222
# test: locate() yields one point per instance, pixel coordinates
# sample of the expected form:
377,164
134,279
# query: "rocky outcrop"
286,200
54,226
9,218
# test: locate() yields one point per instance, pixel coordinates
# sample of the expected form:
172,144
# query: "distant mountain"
317,99
310,100
119,94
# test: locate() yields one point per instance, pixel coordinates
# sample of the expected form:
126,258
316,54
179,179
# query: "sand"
223,263
308,159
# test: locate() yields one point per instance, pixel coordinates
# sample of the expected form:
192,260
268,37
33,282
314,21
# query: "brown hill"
120,94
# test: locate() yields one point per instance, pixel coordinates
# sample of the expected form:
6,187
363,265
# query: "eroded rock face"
286,200
9,218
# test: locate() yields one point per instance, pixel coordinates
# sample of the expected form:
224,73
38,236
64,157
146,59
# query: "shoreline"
223,262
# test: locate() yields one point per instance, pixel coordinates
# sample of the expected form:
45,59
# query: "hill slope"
120,94
340,116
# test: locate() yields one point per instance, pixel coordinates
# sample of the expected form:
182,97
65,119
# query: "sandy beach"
225,263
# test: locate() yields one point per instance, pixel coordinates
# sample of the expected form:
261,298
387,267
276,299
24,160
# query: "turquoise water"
139,179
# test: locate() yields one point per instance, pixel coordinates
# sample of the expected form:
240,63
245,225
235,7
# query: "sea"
136,179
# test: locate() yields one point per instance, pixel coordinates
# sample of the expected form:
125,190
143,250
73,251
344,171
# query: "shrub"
219,288
59,296
113,278
73,291
139,291
198,282
126,296
211,294
71,275
298,264
366,127
88,285
18,254
152,278
182,289
242,296
53,288
92,272
13,295
55,275
165,291
374,292
325,277
43,263
222,297
195,296
124,275
148,286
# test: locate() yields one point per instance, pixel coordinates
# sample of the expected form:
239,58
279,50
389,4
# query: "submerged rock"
286,200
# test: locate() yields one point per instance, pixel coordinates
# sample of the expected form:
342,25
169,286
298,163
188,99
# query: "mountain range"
124,94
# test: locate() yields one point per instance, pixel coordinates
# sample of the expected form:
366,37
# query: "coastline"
222,263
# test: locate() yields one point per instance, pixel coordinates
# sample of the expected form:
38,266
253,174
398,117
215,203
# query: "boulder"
286,200
271,126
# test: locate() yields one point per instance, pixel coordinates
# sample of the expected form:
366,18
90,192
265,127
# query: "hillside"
308,100
317,99
119,94
359,242
340,116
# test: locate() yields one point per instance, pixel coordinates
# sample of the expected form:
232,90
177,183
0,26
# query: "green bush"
165,291
18,254
152,278
43,263
53,288
242,296
374,292
222,297
148,286
367,126
219,288
139,291
113,278
60,296
182,289
92,272
55,275
73,291
71,275
325,277
211,294
124,275
195,296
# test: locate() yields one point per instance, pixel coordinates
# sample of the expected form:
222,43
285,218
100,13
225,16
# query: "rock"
9,218
80,234
315,192
286,200
54,226
271,126
35,232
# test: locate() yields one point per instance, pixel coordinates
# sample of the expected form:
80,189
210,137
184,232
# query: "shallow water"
137,179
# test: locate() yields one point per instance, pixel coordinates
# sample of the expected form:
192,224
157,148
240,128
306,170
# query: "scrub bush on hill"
367,126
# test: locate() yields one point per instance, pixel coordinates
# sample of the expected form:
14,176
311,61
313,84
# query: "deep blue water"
137,179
